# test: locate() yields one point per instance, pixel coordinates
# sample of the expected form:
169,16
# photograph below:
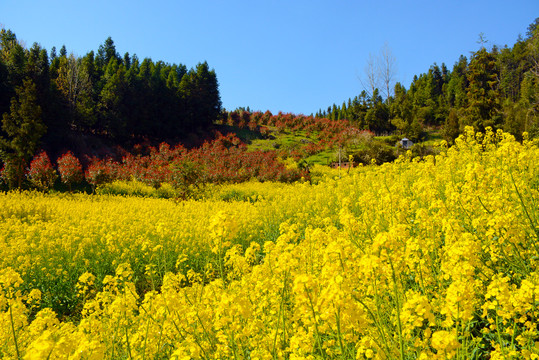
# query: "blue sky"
293,56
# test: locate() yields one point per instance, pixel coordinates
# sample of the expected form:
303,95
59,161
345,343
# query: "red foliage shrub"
101,171
41,173
70,169
224,159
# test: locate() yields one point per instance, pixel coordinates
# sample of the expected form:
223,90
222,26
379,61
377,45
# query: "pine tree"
106,53
112,101
12,54
456,88
451,127
483,97
24,128
199,91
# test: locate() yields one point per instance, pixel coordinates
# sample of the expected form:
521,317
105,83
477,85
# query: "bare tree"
482,40
387,69
380,72
373,79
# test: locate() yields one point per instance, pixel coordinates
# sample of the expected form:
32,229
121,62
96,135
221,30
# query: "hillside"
496,86
107,109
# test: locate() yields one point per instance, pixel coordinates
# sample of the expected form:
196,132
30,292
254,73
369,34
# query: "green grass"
281,140
245,134
433,138
288,140
321,158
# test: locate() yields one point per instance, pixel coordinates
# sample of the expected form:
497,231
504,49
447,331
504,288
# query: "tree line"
496,87
48,95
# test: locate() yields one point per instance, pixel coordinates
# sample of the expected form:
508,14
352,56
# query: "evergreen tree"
451,127
483,97
199,91
107,52
208,95
5,90
401,110
53,53
456,88
13,56
24,128
127,60
112,101
377,116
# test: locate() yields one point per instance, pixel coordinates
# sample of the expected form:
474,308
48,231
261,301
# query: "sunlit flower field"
418,259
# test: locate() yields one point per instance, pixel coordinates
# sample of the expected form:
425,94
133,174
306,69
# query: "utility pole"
340,147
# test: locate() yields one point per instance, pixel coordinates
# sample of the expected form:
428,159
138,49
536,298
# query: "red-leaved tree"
70,169
101,171
41,173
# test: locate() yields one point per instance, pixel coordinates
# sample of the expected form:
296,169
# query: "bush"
101,171
126,188
41,173
239,195
392,139
70,169
375,151
136,188
422,150
12,172
187,174
166,191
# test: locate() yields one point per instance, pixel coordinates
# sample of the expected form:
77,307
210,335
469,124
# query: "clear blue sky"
279,55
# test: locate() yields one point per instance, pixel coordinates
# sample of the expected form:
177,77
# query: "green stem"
399,325
377,323
318,341
281,313
127,339
13,329
221,265
499,336
532,223
339,335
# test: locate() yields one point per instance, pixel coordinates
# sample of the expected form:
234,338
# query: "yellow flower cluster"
431,259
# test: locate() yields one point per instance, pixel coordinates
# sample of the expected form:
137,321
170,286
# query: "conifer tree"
451,127
24,128
483,98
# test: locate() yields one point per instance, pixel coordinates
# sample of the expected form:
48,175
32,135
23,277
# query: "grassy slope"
288,140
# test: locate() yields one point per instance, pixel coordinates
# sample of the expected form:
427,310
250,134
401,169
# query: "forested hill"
496,87
48,99
101,93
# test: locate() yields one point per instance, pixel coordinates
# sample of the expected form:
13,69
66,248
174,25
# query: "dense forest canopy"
108,94
497,87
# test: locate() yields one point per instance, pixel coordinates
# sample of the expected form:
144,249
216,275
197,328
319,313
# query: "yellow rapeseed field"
430,259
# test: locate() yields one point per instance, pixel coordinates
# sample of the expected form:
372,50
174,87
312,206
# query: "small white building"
406,143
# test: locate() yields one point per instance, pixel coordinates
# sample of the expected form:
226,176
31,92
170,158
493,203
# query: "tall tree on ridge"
24,128
107,52
483,98
199,90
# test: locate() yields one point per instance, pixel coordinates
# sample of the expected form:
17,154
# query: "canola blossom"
427,259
